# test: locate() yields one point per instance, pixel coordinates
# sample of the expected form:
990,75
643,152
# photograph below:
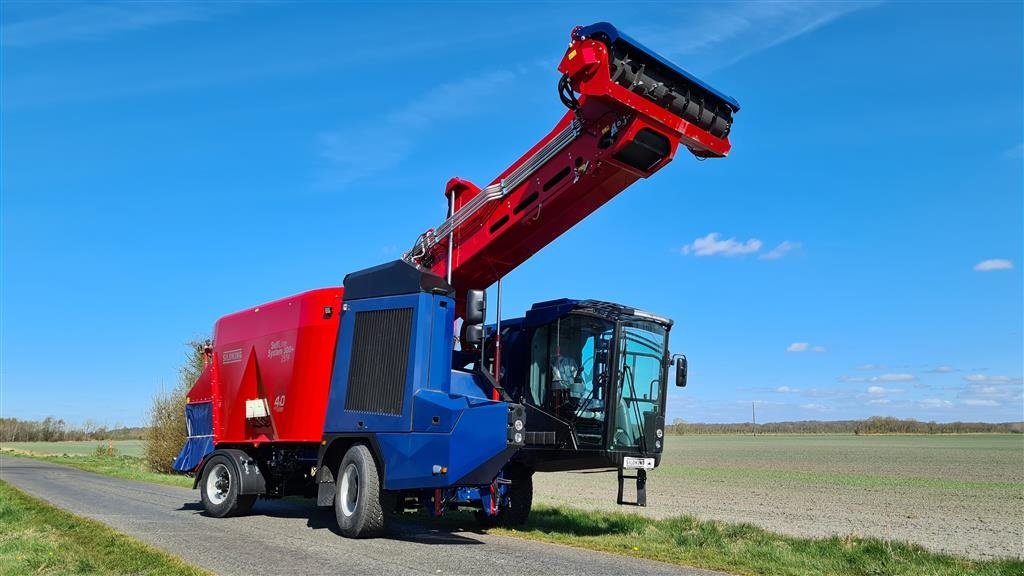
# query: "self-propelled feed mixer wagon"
362,396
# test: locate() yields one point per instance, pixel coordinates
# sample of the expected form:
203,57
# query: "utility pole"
753,415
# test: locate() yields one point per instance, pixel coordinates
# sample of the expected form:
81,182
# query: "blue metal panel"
614,35
479,434
199,420
440,346
467,384
428,360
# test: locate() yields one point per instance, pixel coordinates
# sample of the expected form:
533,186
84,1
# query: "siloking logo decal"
280,349
231,356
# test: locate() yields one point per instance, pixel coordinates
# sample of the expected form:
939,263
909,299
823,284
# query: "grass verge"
127,467
37,538
744,548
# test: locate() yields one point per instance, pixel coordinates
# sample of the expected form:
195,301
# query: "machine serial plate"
630,462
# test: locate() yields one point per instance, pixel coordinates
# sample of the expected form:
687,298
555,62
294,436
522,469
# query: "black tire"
219,486
360,504
520,501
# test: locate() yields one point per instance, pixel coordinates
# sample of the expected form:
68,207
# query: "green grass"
742,548
127,467
36,538
78,448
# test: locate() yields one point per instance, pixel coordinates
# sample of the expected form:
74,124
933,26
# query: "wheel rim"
349,492
218,484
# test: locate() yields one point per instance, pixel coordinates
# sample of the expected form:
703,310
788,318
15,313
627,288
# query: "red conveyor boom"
612,135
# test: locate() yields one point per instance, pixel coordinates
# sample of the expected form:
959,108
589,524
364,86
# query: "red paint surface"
282,352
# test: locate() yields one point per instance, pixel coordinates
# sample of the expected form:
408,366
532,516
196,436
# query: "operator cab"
593,377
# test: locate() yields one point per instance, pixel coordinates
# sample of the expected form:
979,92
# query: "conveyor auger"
629,110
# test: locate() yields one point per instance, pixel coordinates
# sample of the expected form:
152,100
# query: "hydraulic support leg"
641,487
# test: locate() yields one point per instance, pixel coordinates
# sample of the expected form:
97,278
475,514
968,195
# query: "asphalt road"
292,538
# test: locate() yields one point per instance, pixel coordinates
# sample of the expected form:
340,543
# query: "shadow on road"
408,528
454,527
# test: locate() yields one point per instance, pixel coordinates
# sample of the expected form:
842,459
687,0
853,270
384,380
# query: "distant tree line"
873,425
56,430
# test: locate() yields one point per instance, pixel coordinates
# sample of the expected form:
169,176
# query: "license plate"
634,463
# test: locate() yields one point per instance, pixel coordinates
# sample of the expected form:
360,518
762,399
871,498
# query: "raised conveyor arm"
633,111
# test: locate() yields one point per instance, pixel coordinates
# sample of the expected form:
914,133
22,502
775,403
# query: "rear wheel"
219,489
359,502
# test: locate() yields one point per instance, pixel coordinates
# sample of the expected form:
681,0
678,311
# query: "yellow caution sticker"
572,55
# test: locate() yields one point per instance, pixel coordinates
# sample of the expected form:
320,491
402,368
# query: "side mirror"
476,307
473,335
681,367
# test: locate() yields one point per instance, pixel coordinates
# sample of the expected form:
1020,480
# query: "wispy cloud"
712,245
95,21
892,377
805,347
895,377
1015,152
357,153
730,32
979,402
779,251
935,403
987,379
943,369
993,264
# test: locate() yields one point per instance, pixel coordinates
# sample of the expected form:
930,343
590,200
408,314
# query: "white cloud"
882,391
943,369
816,407
994,264
710,245
805,347
986,379
934,403
780,250
879,378
979,402
871,367
94,21
879,401
894,378
785,389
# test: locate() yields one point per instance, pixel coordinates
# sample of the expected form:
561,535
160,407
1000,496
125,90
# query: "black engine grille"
380,357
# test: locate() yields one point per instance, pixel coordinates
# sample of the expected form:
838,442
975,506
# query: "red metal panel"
281,353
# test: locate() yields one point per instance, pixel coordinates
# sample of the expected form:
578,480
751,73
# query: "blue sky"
859,253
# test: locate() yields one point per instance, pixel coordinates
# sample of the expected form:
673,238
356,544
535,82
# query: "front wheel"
219,489
359,504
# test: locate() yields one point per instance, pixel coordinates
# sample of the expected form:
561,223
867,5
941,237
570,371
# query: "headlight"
657,444
518,437
659,433
518,425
